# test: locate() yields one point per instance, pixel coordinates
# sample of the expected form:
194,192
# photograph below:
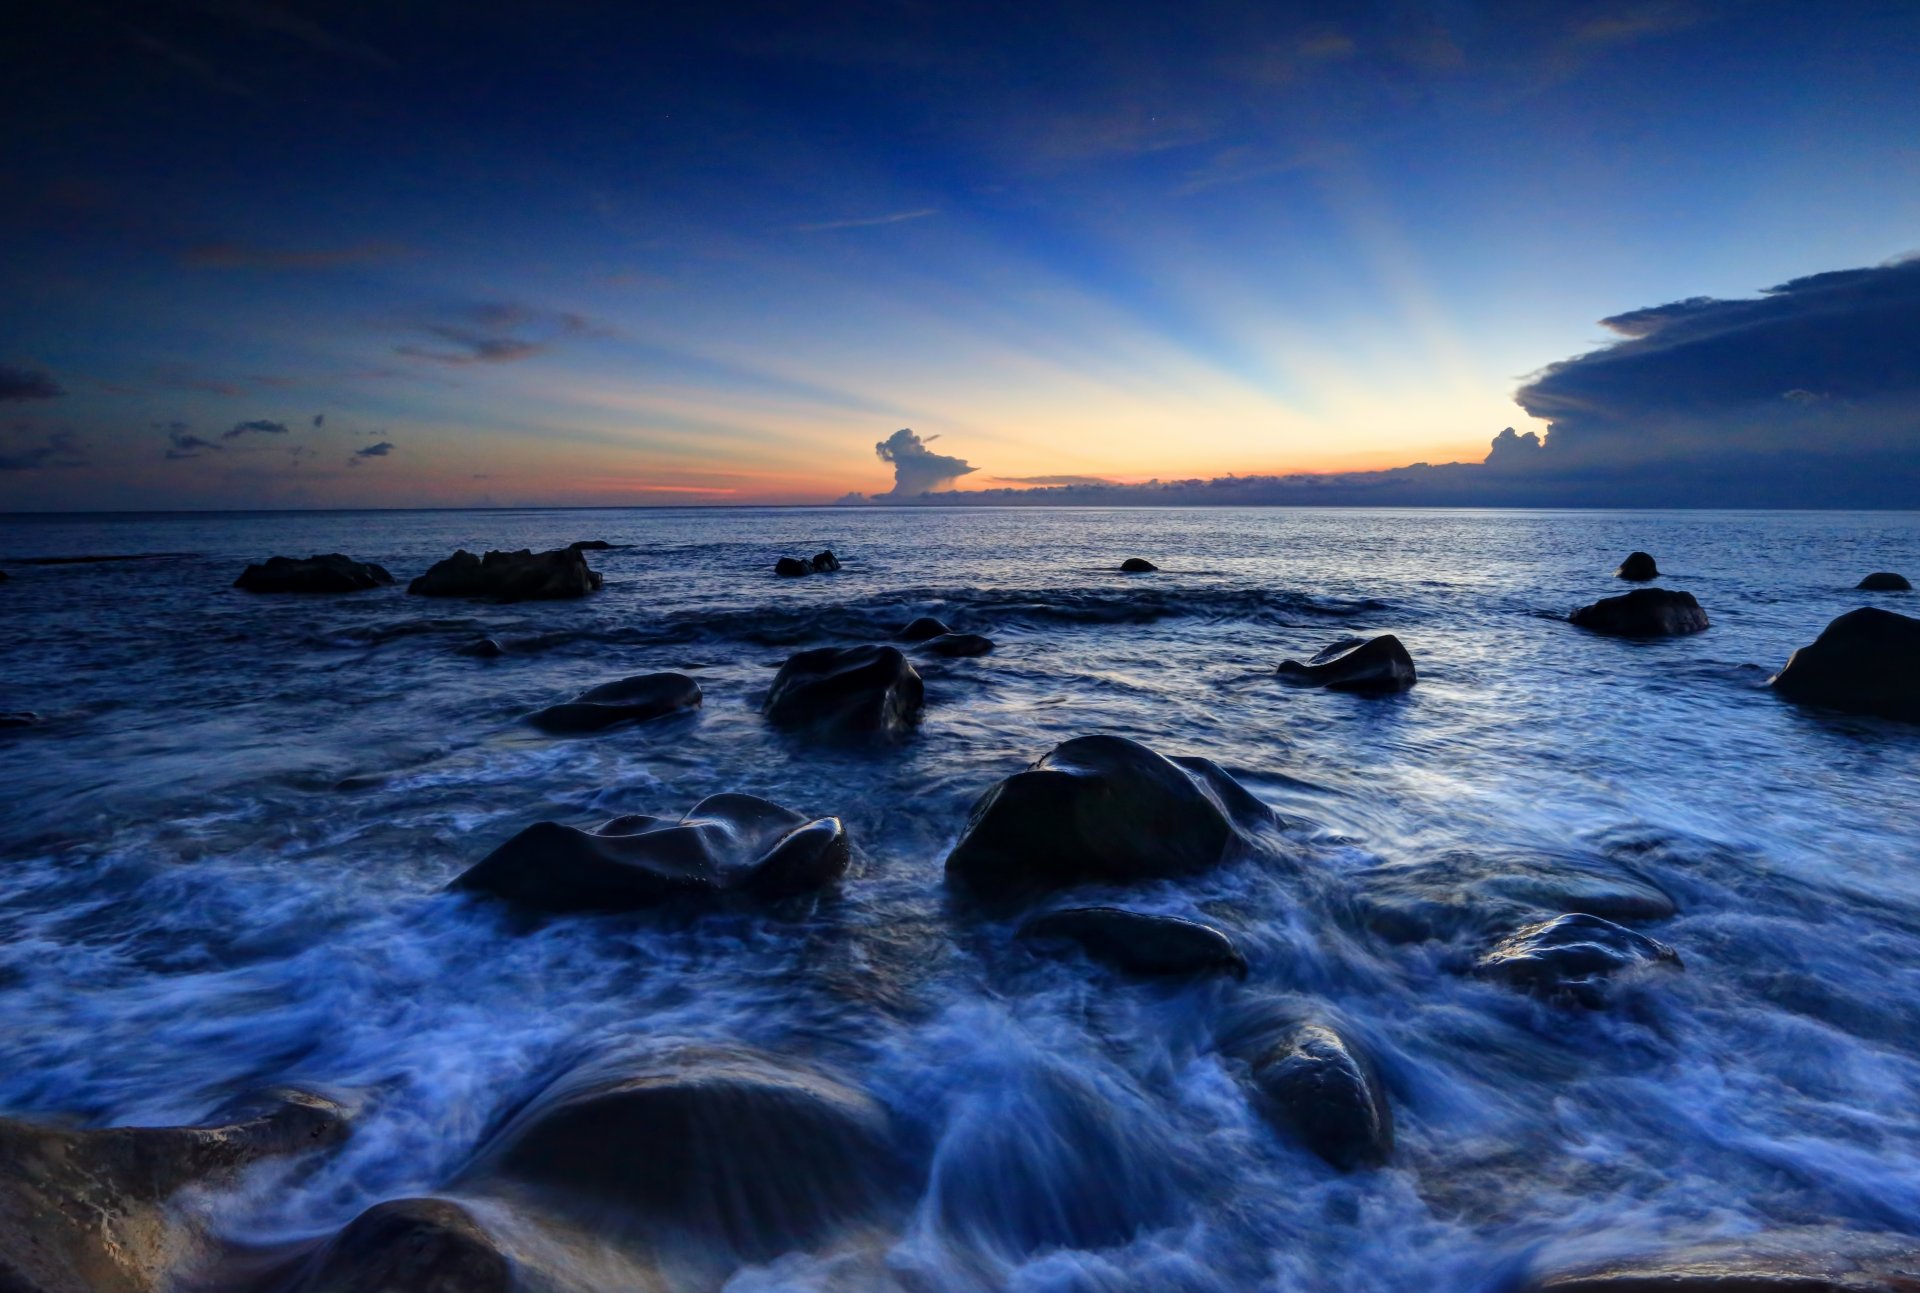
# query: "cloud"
27,384
55,449
498,333
916,468
259,426
319,420
237,255
1513,450
867,222
380,450
1052,480
182,443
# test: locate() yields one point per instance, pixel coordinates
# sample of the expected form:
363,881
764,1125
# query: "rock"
631,700
792,567
409,1246
922,629
1375,665
957,645
1867,661
1811,1260
1138,566
1481,895
850,691
331,573
21,718
1638,567
1315,1086
1102,808
595,545
482,648
3,576
824,562
86,1211
1570,959
728,847
509,576
725,1146
1885,581
1643,613
1139,943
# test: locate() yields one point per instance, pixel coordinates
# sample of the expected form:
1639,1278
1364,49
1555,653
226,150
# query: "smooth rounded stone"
631,700
1317,1087
793,567
482,649
86,1211
1885,581
521,576
1800,1260
958,645
1376,665
924,628
21,718
1571,959
330,573
728,846
732,1147
853,691
1138,566
1139,942
1638,567
1867,661
1101,809
824,562
1479,895
1643,613
409,1246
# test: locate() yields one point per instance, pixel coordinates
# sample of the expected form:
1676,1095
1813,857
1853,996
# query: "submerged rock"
922,629
409,1246
509,576
1638,567
1643,613
596,545
1570,959
1867,661
1885,581
329,573
1376,665
1138,942
728,846
848,691
1102,808
1138,566
1317,1087
482,648
1480,895
630,700
957,645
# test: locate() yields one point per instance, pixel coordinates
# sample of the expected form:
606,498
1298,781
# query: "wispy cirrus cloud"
867,222
495,333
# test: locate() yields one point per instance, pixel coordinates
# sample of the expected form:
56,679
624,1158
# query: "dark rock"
1570,959
1885,581
958,645
331,573
483,648
1483,895
595,545
1139,943
3,576
631,700
923,628
1316,1086
1138,566
409,1246
824,562
21,718
793,567
1867,661
1643,613
1356,664
1811,1260
1638,567
733,1147
86,1211
727,847
509,576
1101,808
852,691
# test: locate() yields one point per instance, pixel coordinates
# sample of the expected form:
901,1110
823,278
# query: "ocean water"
222,860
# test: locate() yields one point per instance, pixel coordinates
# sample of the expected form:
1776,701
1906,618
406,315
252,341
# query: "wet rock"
483,649
85,1211
1320,1089
1810,1260
631,700
824,562
3,576
1867,661
1643,613
1138,566
509,576
1480,895
330,573
1571,959
924,628
409,1246
1139,943
957,645
793,567
1376,665
1638,567
596,545
21,718
728,847
848,691
1101,808
1885,581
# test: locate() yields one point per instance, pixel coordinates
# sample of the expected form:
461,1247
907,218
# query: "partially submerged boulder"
1638,567
820,563
1571,959
1138,942
509,576
1324,1091
1643,613
328,573
957,645
1867,661
409,1246
596,545
824,562
1482,895
1138,566
846,691
630,700
1885,581
482,649
924,628
1375,665
727,847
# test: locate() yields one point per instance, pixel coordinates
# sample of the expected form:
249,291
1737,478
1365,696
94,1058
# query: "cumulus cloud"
497,333
916,468
27,384
380,450
259,426
54,449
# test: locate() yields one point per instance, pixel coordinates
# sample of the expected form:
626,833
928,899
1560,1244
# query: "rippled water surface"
224,853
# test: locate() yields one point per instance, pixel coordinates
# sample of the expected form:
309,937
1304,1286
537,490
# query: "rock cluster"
509,576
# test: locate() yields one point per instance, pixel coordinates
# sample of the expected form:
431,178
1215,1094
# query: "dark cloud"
499,333
319,420
916,468
237,255
380,450
259,426
1052,480
182,443
27,384
55,449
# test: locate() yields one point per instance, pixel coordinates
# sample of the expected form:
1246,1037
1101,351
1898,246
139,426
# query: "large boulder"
1885,581
849,691
1318,1087
958,645
1643,613
86,1211
1572,959
521,576
409,1246
1482,895
630,700
330,573
727,847
1137,942
1375,665
1638,568
793,567
1138,566
1102,808
923,629
1867,661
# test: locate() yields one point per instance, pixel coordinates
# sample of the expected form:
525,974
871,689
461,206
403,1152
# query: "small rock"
331,573
1139,943
1885,581
483,648
847,691
631,700
1138,566
824,562
923,628
957,645
1867,662
1317,1087
409,1246
793,567
1643,613
509,576
1480,895
1570,959
1638,567
1376,665
595,545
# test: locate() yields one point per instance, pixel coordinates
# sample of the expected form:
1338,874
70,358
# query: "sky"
427,254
